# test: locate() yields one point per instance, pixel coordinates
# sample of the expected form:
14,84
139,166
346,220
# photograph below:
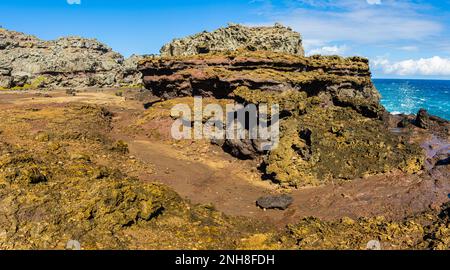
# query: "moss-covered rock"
337,143
428,230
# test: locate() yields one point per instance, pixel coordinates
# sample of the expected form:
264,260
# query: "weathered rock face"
28,62
331,117
234,37
344,81
328,142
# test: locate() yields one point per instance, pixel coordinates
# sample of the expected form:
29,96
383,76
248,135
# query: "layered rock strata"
344,80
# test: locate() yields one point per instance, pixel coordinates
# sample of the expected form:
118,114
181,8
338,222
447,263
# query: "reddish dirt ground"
204,174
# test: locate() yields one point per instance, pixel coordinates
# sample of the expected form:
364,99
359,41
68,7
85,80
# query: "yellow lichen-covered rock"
429,230
74,186
289,101
260,241
337,143
42,210
312,233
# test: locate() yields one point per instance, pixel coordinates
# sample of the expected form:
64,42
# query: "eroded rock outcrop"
344,80
234,37
27,62
331,116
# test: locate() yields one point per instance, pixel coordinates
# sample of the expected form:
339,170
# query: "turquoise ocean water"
408,96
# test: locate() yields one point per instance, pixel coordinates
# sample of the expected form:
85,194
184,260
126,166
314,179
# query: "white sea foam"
396,113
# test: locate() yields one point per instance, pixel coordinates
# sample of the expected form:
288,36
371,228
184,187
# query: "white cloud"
374,2
309,43
329,50
409,48
358,21
74,2
434,66
362,26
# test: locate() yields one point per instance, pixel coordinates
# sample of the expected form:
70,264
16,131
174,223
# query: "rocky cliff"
343,80
28,62
331,116
277,39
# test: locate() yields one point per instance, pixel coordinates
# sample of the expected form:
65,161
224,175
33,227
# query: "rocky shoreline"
100,167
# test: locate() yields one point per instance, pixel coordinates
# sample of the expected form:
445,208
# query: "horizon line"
417,79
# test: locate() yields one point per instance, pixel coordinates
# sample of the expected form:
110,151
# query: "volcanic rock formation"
331,116
28,62
277,39
344,80
64,177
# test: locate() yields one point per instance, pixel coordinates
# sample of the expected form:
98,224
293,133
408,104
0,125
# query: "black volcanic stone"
275,202
423,119
404,123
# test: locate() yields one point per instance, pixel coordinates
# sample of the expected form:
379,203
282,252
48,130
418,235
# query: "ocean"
408,96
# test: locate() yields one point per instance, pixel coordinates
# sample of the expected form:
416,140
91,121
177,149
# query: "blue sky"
402,38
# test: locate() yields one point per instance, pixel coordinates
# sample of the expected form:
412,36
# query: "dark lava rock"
445,213
241,148
423,119
445,160
435,124
404,123
275,202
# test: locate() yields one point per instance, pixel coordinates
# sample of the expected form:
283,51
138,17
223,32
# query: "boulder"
423,119
281,202
5,82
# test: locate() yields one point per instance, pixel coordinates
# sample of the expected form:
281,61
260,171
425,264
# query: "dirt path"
394,196
221,186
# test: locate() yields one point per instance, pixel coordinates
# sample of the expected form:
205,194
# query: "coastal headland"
86,152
